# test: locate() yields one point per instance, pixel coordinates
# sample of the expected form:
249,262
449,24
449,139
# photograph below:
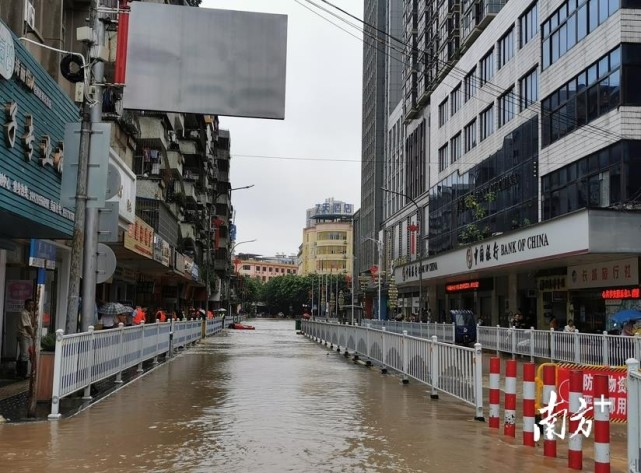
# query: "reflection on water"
266,401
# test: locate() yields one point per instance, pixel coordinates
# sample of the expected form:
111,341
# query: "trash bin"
298,324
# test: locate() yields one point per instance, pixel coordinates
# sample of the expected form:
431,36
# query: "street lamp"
419,220
241,188
379,244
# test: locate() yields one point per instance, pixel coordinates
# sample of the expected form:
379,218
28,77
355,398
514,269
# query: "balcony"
175,162
189,189
152,132
187,231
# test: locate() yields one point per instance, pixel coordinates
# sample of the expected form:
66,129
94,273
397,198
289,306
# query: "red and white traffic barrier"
495,392
601,424
509,415
575,443
529,408
549,386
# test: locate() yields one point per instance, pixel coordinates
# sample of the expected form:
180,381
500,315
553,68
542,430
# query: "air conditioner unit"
29,14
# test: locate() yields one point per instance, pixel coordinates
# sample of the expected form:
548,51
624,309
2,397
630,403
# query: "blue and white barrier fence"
447,368
82,359
570,347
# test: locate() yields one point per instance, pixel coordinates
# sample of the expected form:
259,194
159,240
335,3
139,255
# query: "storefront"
540,271
601,289
31,166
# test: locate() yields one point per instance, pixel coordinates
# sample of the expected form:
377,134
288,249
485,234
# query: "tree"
284,291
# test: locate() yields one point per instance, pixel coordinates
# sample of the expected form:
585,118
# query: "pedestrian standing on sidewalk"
26,333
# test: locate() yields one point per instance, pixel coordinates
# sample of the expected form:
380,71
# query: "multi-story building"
533,196
169,223
265,268
327,246
373,131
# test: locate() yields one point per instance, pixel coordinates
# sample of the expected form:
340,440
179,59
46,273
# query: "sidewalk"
14,396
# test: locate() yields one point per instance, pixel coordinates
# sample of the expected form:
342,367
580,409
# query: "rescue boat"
239,326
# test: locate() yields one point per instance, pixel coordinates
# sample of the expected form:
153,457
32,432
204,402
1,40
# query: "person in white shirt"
570,326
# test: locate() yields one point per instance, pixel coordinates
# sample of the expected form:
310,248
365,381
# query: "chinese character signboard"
616,384
140,238
42,254
610,273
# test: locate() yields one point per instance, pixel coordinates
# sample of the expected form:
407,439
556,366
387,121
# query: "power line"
498,91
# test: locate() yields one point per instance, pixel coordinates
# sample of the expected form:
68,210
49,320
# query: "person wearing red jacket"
139,316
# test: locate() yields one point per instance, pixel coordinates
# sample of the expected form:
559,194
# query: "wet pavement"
270,400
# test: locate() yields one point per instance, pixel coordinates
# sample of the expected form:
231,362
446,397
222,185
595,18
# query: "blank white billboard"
200,60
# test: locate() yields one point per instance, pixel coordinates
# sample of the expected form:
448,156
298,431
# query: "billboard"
199,60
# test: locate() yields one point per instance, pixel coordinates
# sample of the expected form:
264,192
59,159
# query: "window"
469,133
455,148
507,107
528,89
506,48
455,99
442,113
590,94
528,25
487,122
487,67
442,158
469,85
570,23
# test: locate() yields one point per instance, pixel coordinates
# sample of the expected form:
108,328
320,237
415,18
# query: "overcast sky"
315,152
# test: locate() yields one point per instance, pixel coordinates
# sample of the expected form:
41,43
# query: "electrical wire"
490,87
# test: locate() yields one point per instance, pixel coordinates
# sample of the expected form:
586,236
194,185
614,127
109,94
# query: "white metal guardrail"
82,359
634,416
571,347
444,332
446,367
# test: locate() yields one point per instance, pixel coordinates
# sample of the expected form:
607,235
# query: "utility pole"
85,235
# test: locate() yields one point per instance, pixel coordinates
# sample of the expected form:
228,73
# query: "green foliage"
48,342
251,289
282,292
472,232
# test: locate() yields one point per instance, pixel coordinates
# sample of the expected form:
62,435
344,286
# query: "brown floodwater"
267,400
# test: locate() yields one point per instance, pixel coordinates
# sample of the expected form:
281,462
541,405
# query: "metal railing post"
157,327
367,340
634,430
497,342
513,337
170,352
605,348
384,368
121,347
57,372
552,345
86,396
478,382
141,350
405,378
434,363
531,344
577,347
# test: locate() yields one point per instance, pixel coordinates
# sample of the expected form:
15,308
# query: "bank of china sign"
532,243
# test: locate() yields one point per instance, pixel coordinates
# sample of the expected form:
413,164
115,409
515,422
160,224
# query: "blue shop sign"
36,110
42,254
195,272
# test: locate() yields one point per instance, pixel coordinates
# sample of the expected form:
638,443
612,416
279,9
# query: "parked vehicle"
464,326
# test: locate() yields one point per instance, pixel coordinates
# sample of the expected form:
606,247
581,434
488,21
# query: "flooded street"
266,401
